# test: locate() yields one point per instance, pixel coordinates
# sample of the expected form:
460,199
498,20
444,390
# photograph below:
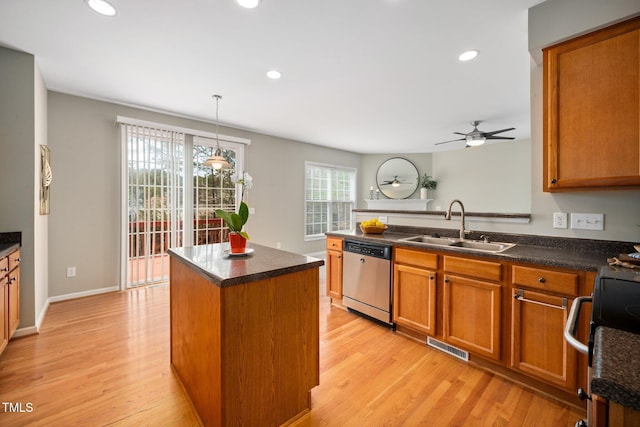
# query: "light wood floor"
104,360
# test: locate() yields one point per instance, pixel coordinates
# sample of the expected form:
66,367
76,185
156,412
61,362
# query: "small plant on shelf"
427,182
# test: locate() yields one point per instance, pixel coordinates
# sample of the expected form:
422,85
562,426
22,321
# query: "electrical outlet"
71,272
559,220
582,221
383,219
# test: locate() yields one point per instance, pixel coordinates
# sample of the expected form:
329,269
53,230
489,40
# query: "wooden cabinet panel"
14,301
421,259
538,346
14,259
4,316
544,279
334,267
473,267
334,243
592,110
472,315
334,274
414,298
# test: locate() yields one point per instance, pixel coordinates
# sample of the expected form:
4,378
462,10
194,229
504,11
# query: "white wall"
489,178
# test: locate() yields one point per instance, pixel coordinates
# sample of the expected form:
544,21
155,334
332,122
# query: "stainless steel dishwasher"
366,279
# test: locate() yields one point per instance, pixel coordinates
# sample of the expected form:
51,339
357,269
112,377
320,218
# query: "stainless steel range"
366,279
615,303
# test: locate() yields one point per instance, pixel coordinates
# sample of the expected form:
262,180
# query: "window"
330,194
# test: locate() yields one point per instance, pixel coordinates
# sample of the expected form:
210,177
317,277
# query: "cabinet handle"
339,256
554,181
520,297
446,280
5,269
18,259
542,280
431,277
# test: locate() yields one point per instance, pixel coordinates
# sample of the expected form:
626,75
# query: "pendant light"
216,161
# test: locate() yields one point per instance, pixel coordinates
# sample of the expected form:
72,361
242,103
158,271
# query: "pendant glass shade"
217,162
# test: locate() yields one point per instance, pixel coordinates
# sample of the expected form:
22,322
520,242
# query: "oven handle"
572,325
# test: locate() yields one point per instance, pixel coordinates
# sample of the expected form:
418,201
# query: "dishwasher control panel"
369,249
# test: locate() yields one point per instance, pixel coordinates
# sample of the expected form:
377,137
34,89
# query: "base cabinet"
414,298
472,305
10,296
334,268
538,346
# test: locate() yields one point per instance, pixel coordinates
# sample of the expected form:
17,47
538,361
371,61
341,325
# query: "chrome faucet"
447,216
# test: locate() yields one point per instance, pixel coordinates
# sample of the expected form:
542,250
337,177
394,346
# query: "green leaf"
243,211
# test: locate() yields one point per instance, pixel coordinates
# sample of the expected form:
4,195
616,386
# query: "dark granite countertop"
616,366
578,254
7,248
223,270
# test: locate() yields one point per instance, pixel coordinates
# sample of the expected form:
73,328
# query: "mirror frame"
402,169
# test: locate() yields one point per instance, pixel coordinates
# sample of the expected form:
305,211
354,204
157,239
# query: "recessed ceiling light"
248,4
468,55
103,7
274,74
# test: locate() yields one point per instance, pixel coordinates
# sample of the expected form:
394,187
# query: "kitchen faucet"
447,216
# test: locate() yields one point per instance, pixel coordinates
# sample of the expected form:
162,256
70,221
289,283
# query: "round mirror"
397,178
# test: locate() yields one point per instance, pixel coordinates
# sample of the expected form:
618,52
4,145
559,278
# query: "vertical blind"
155,186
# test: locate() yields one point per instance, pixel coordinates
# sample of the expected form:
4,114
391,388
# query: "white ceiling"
370,76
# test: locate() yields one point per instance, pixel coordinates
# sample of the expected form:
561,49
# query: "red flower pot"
238,243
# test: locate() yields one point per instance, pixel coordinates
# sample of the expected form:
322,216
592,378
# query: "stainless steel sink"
430,240
475,245
483,246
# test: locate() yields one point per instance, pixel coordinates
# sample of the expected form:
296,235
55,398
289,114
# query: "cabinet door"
592,110
472,315
334,274
4,314
538,347
414,298
14,300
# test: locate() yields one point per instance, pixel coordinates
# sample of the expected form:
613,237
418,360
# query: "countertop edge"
6,249
267,273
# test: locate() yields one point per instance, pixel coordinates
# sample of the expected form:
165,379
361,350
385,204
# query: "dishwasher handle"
571,327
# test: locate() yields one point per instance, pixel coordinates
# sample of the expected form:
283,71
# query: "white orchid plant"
235,221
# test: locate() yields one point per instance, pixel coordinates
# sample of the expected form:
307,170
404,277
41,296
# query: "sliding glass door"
166,183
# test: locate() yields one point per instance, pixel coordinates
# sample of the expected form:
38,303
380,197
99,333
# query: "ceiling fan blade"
500,137
460,133
453,140
497,131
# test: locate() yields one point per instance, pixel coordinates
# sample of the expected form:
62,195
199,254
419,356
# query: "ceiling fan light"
102,7
248,4
475,140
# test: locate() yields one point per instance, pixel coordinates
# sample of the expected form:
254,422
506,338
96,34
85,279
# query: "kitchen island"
245,332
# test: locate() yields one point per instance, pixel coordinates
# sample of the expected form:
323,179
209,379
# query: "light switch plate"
560,220
583,221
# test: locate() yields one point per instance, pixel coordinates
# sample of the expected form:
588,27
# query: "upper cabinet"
592,110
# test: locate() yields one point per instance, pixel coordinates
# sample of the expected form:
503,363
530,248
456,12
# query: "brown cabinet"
334,268
592,110
472,305
414,290
538,317
10,296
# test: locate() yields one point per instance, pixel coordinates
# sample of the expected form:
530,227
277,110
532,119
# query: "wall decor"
46,177
397,178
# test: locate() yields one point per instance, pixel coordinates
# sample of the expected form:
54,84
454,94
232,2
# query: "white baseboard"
21,332
321,255
83,294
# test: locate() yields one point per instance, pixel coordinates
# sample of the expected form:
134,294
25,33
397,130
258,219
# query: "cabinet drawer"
334,243
473,267
417,258
14,259
549,280
4,266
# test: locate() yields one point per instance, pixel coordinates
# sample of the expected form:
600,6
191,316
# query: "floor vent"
456,352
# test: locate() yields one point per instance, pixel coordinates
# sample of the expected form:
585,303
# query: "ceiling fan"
477,137
395,182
